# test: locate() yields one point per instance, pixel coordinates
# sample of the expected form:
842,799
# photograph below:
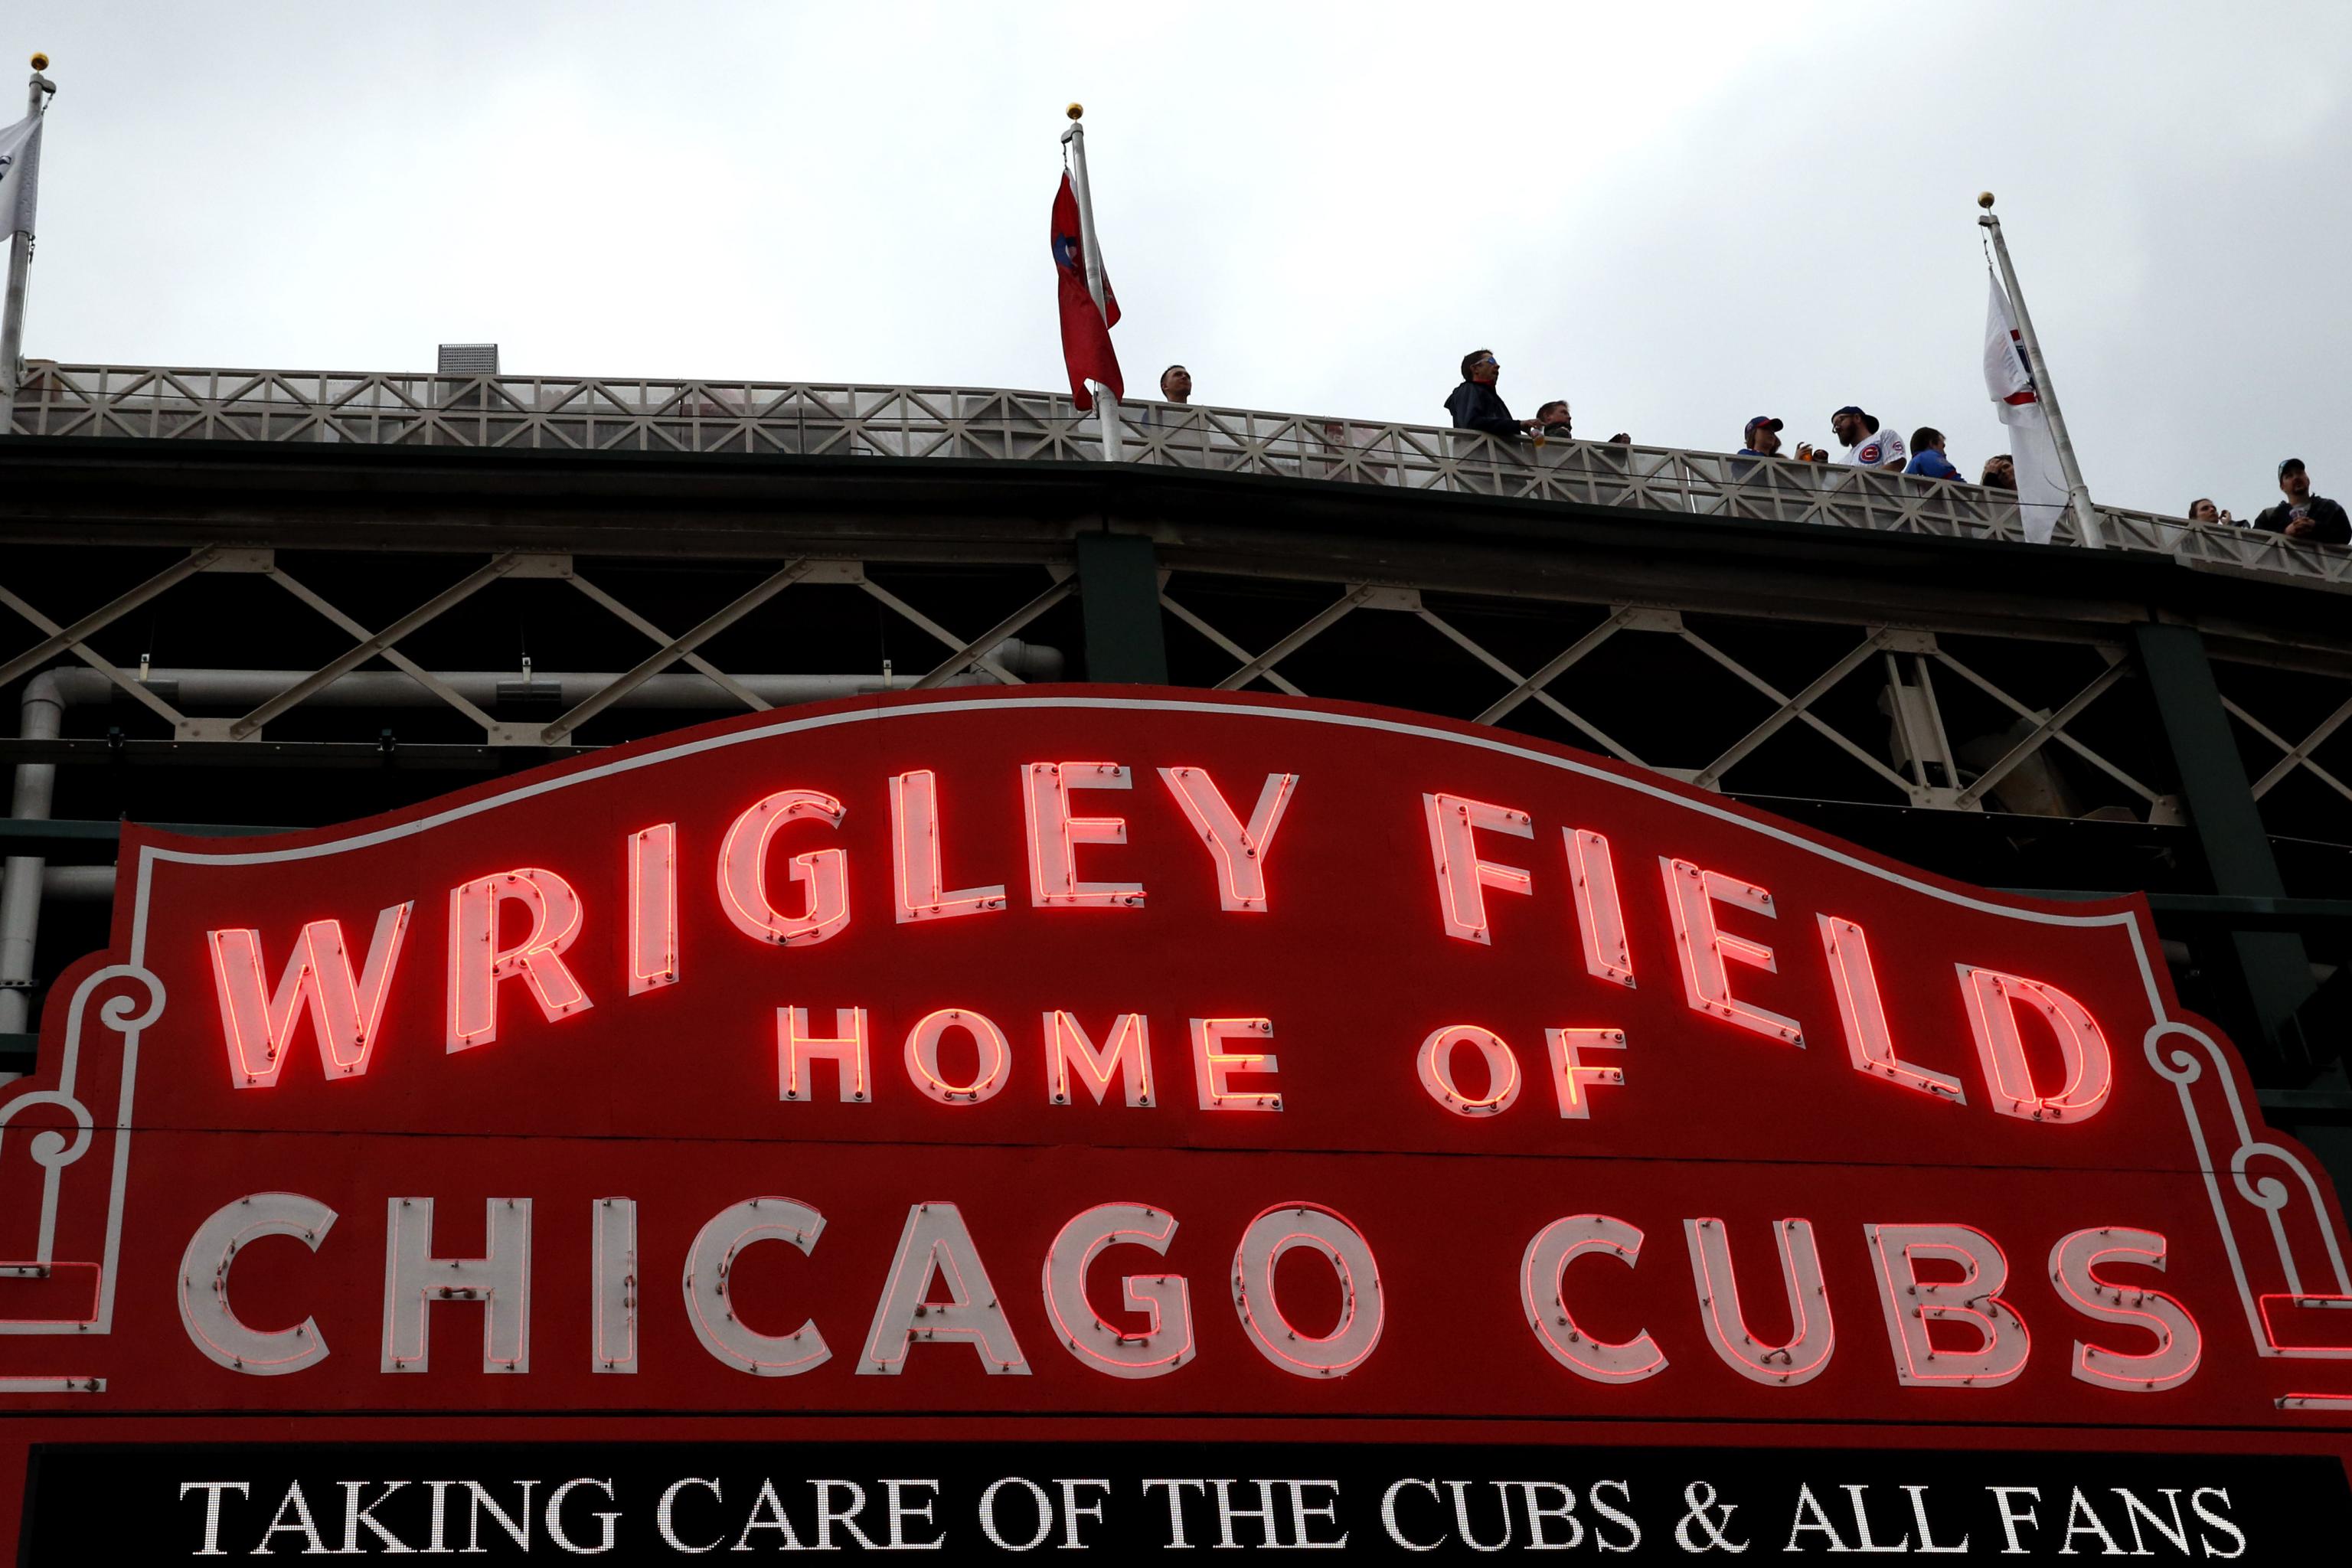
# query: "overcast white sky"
1674,216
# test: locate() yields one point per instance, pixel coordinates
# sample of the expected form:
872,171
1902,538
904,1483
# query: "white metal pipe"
393,689
81,884
40,717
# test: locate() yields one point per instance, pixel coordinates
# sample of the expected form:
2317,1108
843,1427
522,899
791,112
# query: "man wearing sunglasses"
1476,406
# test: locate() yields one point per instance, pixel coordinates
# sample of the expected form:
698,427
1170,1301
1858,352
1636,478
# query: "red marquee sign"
1098,1066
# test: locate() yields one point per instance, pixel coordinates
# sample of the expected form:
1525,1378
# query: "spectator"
2202,509
1476,406
1176,390
2313,519
2000,472
1552,420
1927,460
1762,437
1621,439
1864,446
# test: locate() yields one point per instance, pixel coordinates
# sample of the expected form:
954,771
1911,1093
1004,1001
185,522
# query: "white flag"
20,174
2041,494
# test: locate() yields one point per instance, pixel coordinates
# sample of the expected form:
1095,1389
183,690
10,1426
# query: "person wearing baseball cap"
1763,439
1866,445
2313,519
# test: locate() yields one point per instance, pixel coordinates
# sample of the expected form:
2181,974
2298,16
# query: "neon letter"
1240,851
2178,1346
1868,1041
915,855
1462,877
1599,915
413,1280
1155,1351
845,1049
1691,897
1437,1065
1541,1268
204,1312
614,1267
711,1308
1912,1304
653,908
1343,1246
1213,1066
344,1013
1129,1054
936,1245
743,871
1570,1072
923,1055
1812,1336
1992,998
1055,835
477,962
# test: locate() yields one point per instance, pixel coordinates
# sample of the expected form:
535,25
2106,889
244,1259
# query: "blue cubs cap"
1764,419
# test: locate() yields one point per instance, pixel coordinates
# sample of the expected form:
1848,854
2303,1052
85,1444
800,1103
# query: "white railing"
805,418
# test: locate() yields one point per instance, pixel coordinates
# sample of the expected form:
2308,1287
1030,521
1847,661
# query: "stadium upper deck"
740,417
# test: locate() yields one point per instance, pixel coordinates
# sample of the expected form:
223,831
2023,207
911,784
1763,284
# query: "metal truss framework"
964,654
1909,758
1919,768
1879,703
2244,680
589,414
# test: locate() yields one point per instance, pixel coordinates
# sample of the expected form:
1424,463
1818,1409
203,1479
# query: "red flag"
1085,336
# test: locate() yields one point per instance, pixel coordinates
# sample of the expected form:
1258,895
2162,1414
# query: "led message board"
1105,1118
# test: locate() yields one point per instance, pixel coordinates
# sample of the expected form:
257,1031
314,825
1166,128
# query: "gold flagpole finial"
40,61
1984,200
1075,111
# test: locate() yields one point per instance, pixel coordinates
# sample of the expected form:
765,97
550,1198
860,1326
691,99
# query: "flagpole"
2078,494
20,262
1106,401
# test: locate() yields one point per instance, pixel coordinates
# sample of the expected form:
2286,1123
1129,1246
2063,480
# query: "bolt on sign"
1105,1119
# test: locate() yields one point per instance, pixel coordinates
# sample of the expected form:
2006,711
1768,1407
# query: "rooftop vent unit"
469,359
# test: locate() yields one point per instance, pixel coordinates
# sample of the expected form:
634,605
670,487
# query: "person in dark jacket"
1476,406
2313,519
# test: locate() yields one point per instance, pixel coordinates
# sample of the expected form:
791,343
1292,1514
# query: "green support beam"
1118,590
2273,965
